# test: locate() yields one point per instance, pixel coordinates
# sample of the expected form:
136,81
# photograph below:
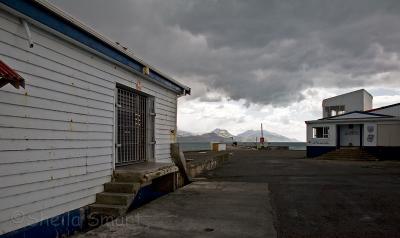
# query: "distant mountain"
250,135
207,137
222,135
184,133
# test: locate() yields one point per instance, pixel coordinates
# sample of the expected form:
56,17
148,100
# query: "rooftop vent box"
359,100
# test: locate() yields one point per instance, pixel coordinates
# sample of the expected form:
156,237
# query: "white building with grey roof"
350,127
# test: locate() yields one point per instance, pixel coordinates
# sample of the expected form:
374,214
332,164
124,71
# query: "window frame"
335,110
324,133
149,128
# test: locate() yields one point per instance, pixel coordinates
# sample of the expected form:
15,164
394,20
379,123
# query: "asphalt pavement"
274,194
321,198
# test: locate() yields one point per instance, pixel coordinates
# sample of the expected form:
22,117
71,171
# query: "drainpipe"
28,33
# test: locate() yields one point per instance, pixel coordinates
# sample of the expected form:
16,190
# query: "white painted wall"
358,100
56,135
388,135
330,141
375,133
368,101
218,146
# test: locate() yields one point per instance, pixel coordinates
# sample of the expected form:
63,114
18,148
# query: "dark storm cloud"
261,51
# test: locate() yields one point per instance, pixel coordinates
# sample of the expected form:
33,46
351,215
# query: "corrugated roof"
8,75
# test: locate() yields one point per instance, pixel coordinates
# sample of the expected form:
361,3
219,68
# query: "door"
131,146
350,135
338,136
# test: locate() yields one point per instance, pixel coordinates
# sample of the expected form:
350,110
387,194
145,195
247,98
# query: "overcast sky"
258,61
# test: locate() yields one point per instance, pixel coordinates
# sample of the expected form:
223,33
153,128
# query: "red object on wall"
8,75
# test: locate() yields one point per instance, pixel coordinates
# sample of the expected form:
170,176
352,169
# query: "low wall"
195,146
200,165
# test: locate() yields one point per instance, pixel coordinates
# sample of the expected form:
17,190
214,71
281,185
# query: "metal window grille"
131,127
150,128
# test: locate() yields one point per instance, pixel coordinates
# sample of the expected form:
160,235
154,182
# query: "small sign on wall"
139,85
370,134
316,141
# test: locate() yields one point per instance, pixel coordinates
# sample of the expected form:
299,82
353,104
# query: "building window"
321,132
341,110
135,120
335,110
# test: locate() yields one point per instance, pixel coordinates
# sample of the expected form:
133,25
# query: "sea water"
197,146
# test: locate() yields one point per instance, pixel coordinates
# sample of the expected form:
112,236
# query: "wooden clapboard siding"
51,202
17,145
48,212
56,135
52,104
25,111
25,156
39,186
36,196
11,121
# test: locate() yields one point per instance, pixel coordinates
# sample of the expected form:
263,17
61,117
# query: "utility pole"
262,137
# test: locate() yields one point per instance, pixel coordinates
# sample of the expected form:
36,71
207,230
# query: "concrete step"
107,210
338,156
121,187
130,177
333,155
341,158
348,154
342,154
345,153
123,199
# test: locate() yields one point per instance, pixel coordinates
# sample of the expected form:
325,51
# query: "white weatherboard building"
87,106
349,121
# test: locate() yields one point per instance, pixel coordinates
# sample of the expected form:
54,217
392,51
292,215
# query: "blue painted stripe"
314,151
145,195
56,22
62,225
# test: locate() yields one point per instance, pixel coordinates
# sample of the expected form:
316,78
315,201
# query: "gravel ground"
316,198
